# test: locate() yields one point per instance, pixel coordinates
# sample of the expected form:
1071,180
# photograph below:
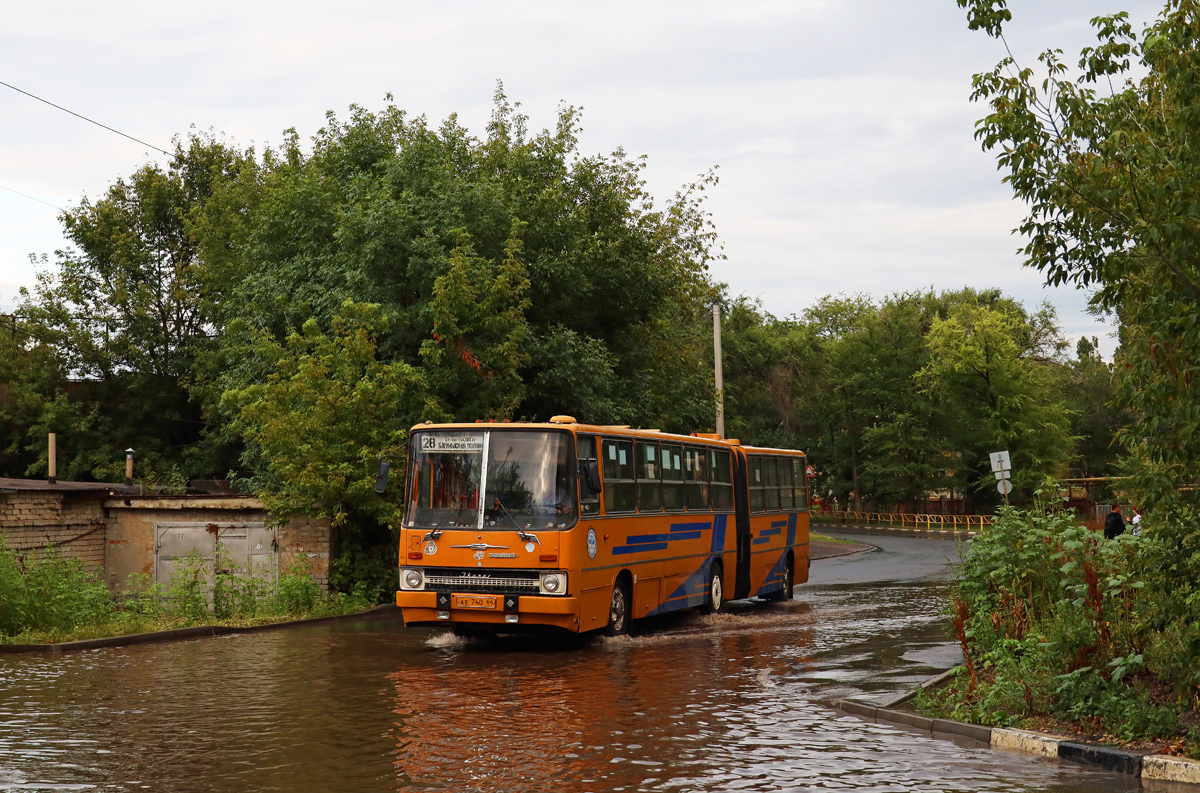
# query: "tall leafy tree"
121,317
526,278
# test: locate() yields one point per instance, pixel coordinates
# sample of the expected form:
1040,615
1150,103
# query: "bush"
47,590
1057,624
47,597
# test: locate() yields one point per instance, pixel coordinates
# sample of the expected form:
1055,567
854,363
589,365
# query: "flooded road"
718,703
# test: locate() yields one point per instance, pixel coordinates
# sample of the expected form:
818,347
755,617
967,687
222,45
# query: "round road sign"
1004,486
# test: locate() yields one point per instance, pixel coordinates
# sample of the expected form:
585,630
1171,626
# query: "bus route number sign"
439,442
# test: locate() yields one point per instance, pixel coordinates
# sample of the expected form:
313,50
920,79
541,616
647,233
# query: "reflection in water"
727,702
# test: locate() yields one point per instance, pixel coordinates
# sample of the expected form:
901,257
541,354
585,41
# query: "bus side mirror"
592,472
382,477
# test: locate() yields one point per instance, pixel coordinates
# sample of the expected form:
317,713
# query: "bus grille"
444,580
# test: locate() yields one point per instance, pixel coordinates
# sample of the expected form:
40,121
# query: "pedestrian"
1114,524
1135,523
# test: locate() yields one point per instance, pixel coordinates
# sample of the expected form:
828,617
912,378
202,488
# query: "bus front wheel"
714,603
618,610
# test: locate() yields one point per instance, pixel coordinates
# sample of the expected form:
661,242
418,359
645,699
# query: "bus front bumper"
421,608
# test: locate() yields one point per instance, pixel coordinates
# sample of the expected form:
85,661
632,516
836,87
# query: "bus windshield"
529,483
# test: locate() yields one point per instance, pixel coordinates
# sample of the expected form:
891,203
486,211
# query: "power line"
177,157
85,118
32,198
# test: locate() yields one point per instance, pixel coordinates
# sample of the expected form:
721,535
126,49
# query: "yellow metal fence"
904,520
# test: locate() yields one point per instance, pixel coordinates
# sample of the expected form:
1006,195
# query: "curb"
933,534
1156,766
847,553
385,611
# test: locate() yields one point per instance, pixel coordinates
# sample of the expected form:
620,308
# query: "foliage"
322,413
101,347
484,255
1051,617
897,399
1106,157
48,597
47,590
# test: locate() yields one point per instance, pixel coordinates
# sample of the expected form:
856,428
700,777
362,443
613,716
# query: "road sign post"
1002,468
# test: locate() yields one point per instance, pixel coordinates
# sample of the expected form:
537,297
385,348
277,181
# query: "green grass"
817,537
49,598
127,624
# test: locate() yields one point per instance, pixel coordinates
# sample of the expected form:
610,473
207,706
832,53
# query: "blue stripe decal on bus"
774,578
779,524
770,532
760,540
650,546
638,543
718,538
640,539
694,590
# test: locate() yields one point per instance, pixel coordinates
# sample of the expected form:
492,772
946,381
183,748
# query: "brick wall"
72,523
304,544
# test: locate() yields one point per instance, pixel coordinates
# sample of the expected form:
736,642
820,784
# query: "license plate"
474,602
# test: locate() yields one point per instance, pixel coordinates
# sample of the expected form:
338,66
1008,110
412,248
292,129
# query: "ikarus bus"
580,527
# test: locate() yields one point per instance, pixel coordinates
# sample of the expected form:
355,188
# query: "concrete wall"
73,523
130,546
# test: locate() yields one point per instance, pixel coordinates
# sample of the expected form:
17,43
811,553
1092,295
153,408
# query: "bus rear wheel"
789,578
714,602
618,610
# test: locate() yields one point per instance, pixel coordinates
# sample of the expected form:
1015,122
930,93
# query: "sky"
841,130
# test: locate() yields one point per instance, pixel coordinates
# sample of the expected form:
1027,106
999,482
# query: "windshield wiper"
524,535
437,530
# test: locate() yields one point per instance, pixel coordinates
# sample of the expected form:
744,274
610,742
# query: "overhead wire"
115,131
85,118
32,198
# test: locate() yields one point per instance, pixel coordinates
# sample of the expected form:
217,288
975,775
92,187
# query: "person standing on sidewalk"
1135,523
1114,524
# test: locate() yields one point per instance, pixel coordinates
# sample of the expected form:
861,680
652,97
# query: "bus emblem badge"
430,548
529,547
592,544
478,555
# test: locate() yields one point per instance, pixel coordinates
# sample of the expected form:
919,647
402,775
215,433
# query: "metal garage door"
249,546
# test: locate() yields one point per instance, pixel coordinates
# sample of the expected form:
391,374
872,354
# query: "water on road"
722,703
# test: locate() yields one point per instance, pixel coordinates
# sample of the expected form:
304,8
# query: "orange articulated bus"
512,527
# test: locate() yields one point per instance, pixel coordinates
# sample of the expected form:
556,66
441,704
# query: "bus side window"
589,498
786,499
800,471
756,483
695,478
649,476
619,494
672,474
721,489
770,484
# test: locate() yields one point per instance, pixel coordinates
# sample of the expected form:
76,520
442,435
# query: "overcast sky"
842,128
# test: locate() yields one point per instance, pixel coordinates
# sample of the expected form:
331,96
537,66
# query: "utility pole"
717,373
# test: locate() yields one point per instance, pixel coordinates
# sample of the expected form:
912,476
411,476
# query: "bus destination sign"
459,443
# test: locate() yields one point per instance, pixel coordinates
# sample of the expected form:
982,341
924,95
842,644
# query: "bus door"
741,500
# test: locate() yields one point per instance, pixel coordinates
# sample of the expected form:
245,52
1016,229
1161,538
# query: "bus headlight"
553,584
412,579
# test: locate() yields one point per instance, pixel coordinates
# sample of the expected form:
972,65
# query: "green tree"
324,412
555,284
124,315
990,365
1107,158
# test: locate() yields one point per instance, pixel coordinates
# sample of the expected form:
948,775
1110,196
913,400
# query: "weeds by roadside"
47,597
1057,628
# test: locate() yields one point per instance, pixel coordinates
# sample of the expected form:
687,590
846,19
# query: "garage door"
250,547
